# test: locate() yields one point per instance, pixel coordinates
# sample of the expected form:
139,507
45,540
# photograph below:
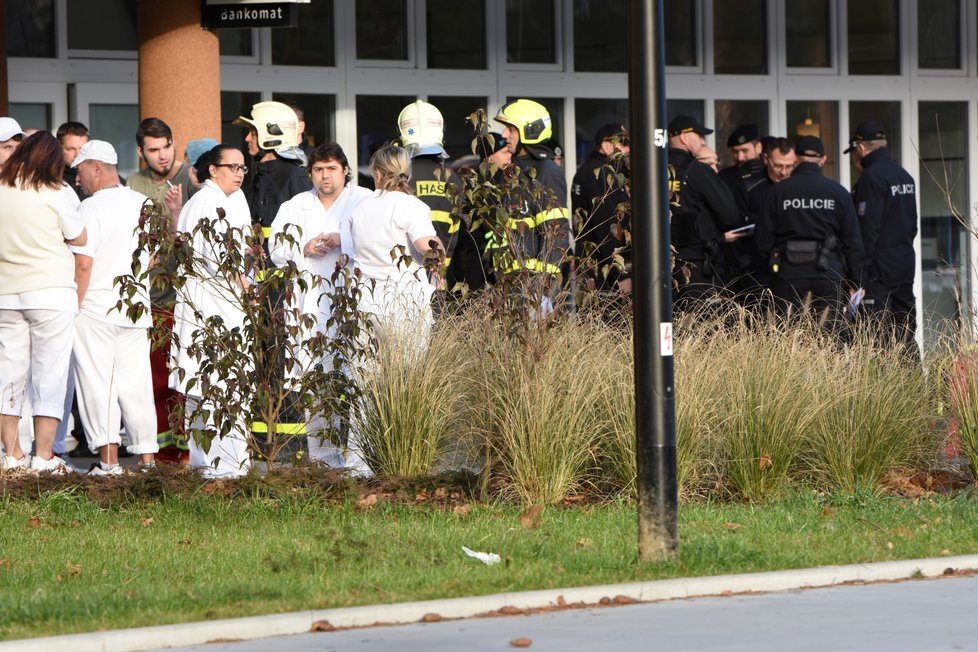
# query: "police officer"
886,203
702,208
744,144
602,212
809,231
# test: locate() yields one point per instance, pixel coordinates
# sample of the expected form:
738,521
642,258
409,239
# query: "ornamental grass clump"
872,415
962,394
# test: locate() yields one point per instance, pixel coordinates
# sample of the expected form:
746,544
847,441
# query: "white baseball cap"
9,128
96,150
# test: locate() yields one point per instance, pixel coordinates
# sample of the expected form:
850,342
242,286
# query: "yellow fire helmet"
422,129
276,123
531,119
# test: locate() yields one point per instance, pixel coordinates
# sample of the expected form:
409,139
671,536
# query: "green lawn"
68,564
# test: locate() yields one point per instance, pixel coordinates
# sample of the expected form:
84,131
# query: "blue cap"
196,148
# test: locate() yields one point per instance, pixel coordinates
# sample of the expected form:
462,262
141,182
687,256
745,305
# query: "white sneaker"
10,462
55,465
99,469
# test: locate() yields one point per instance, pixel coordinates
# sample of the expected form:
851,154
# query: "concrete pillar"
179,70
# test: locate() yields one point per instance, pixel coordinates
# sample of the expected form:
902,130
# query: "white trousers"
35,344
115,384
228,456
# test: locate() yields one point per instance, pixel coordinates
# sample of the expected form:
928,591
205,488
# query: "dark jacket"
737,176
808,208
702,207
886,204
602,217
275,182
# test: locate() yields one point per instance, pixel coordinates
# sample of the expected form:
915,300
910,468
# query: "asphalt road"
918,615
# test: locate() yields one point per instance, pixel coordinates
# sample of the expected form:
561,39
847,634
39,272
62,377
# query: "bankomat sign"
244,14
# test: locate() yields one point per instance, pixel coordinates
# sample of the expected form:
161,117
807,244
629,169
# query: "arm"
852,242
80,240
869,199
717,197
83,275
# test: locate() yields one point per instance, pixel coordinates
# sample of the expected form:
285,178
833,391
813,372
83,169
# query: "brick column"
179,70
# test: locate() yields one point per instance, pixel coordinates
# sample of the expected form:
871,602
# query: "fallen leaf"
5,563
732,526
521,642
828,512
462,510
584,543
625,599
902,532
510,610
945,552
147,522
605,601
367,502
34,521
73,569
530,519
322,626
889,545
431,618
764,463
440,492
561,602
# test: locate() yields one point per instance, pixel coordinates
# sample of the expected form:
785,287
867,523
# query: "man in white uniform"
112,369
323,215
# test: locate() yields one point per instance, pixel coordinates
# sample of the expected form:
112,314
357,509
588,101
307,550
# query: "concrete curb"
300,622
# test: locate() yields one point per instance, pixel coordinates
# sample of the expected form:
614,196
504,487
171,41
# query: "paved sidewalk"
188,634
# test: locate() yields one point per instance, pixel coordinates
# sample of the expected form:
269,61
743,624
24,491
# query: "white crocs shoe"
10,462
55,465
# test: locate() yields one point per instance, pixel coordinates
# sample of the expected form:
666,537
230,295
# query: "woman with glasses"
215,221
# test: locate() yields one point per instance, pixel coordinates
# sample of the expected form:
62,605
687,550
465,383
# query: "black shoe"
81,450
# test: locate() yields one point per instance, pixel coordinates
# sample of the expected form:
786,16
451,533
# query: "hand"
174,198
730,236
319,245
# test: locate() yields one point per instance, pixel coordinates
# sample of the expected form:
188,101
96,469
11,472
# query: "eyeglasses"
234,167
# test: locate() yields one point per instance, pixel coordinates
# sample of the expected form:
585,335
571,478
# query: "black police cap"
610,131
867,130
682,124
810,146
744,134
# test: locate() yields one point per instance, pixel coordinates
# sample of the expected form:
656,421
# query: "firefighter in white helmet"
526,128
422,132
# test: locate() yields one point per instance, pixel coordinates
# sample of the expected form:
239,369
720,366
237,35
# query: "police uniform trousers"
690,292
822,294
893,309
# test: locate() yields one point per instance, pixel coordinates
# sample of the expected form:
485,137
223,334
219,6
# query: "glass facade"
456,34
531,31
740,37
591,115
102,25
730,114
600,41
939,34
819,119
681,42
113,123
808,39
30,28
312,42
382,28
887,113
874,37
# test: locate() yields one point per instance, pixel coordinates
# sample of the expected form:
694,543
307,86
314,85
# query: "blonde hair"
394,167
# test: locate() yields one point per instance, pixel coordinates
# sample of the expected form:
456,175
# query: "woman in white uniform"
318,224
395,293
38,298
215,293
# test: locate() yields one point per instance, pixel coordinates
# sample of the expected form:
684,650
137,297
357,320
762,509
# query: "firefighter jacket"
810,222
602,218
701,205
537,228
275,182
886,205
431,178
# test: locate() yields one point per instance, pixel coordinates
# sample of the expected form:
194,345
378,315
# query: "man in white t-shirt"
112,369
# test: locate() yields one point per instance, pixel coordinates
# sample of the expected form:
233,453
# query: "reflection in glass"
807,34
944,244
377,123
531,31
311,43
458,130
730,114
886,112
115,124
235,42
740,37
680,27
591,115
938,34
874,47
457,34
600,44
819,119
382,30
102,25
234,104
318,112
30,28
32,115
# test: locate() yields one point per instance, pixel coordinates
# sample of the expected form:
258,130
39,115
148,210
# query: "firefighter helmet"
276,123
531,119
422,129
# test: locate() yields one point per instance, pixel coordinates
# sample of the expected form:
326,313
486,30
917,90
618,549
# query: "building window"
591,115
939,34
114,123
807,25
30,28
102,25
377,124
886,112
730,114
944,244
317,111
740,37
600,35
312,42
820,119
234,104
458,130
32,115
874,46
456,34
382,30
680,31
694,108
236,42
531,31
